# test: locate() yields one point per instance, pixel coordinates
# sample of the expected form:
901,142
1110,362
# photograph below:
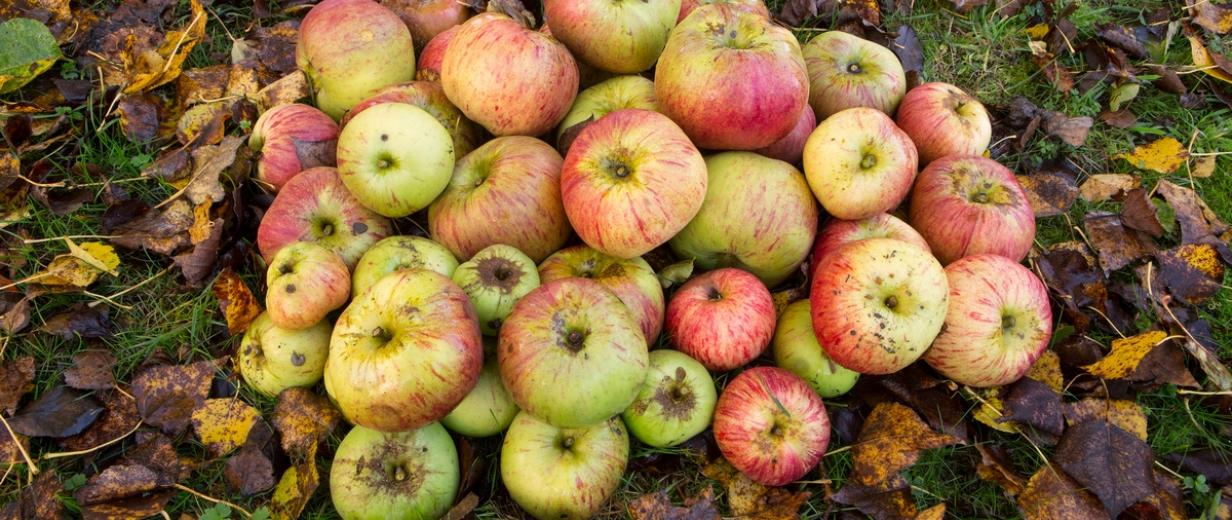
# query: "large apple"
487,410
620,37
505,192
838,233
796,349
771,425
704,79
859,163
790,148
350,49
631,181
723,318
495,279
406,474
305,281
428,18
404,353
632,280
400,252
878,304
759,215
755,6
676,401
999,322
846,71
272,359
944,120
563,473
571,354
609,96
292,138
395,157
315,206
433,55
431,98
508,78
970,205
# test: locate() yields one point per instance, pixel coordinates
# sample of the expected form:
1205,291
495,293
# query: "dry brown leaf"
120,417
1211,16
889,500
1127,415
303,419
1192,273
1125,355
659,506
1110,462
1051,495
891,441
288,89
1050,194
91,370
202,124
996,467
237,303
1105,186
208,164
223,424
751,500
161,231
249,471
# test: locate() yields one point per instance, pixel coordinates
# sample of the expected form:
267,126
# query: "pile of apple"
494,323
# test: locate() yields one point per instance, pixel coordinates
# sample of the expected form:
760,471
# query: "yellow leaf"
992,409
99,255
202,223
295,487
1203,167
303,418
1203,60
749,499
238,305
288,89
80,267
784,298
1103,186
1037,31
1051,494
1126,415
1125,355
223,424
164,65
1163,155
890,441
936,512
1047,370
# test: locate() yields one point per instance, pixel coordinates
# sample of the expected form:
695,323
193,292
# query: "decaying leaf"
208,164
1047,370
1207,62
995,467
749,499
658,506
1071,130
223,424
288,89
1216,371
143,505
91,370
1213,17
27,49
167,394
16,380
1203,166
1162,155
675,274
1051,494
885,500
1164,503
891,441
1110,462
10,450
1164,365
81,266
162,64
1117,244
139,118
295,488
303,419
37,501
1192,273
1105,186
58,412
1138,212
1049,193
237,303
249,471
203,124
1127,415
1125,355
119,417
79,321
1033,403
991,411
1198,223
160,230
119,481
14,312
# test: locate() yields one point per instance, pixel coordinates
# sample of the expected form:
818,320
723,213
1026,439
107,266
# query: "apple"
400,252
632,280
315,206
508,78
404,353
350,49
428,18
796,349
771,425
739,88
759,215
944,120
395,157
859,164
292,138
505,192
563,473
837,233
571,354
305,282
847,71
755,6
620,37
790,149
676,401
723,318
999,322
970,205
609,96
406,474
495,279
487,410
878,304
431,98
432,55
272,358
631,181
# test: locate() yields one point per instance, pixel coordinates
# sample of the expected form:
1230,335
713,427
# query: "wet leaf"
1164,503
1047,370
164,64
167,394
1138,212
1118,246
223,424
659,506
1071,130
1192,273
27,49
906,45
749,499
1210,463
1034,404
79,321
889,500
1162,155
295,488
1049,193
303,419
37,501
81,266
1125,355
162,231
119,481
1213,17
1110,462
91,370
1198,223
249,471
891,441
16,380
1126,415
59,412
1204,60
995,467
119,416
237,303
943,410
156,451
1051,494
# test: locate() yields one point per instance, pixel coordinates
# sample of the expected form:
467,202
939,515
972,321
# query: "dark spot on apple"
891,301
1007,322
494,323
297,359
359,228
714,295
566,442
500,273
384,137
286,268
290,288
675,398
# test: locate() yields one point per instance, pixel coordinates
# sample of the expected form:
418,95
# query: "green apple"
409,474
400,252
272,358
563,474
495,279
614,94
676,402
796,349
395,158
487,410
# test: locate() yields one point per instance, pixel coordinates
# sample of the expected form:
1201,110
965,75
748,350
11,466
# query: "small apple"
944,120
400,252
292,138
431,98
495,279
859,164
970,205
428,18
433,54
487,410
609,96
305,282
838,233
878,304
847,71
755,6
631,280
396,158
676,401
723,318
556,473
771,425
315,206
620,37
272,359
796,349
790,149
406,474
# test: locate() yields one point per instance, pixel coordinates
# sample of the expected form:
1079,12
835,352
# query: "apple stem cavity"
854,68
868,161
891,302
574,340
1007,322
714,294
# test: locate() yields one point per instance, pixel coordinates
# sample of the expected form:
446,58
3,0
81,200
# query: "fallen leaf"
157,452
201,85
659,506
1162,155
1051,495
167,395
749,499
203,124
1213,464
1138,212
1164,365
1125,355
37,501
91,370
295,488
81,266
889,500
288,89
27,49
1192,273
197,263
1198,223
1118,246
59,412
10,453
995,467
906,45
139,117
1071,130
79,321
1207,62
1203,167
1071,273
1047,370
891,441
991,411
171,166
303,419
1034,404
138,506
1164,503
237,303
1122,95
223,424
1123,39
571,134
1119,119
1050,194
16,380
795,12
118,418
249,471
1213,17
164,64
1126,415
208,164
161,231
119,481
781,299
14,312
942,409
1216,371
675,274
1110,462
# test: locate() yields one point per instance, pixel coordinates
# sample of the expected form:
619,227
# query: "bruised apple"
292,138
495,279
272,358
675,403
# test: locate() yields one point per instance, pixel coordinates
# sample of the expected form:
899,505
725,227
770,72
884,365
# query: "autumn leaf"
119,481
1112,463
1050,194
1162,155
1126,415
119,417
1138,212
675,274
59,412
91,370
79,321
287,89
659,506
1203,167
891,441
1125,355
249,471
223,424
991,411
27,49
237,303
995,467
1192,273
164,64
295,487
208,164
1035,404
751,500
1105,186
37,501
167,395
1047,370
885,500
1205,61
81,266
16,380
162,230
1197,222
303,419
1117,244
1051,494
1211,16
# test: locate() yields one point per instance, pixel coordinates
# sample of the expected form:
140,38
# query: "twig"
1169,470
63,454
99,298
203,496
20,449
837,451
59,238
1182,391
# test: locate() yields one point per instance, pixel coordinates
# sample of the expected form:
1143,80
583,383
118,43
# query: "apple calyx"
714,295
566,442
854,68
675,398
891,302
574,341
868,161
500,273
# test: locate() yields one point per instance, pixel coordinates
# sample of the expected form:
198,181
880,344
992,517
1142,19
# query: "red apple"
431,98
305,282
838,233
790,148
999,322
756,6
771,425
620,37
631,181
632,280
944,120
428,18
859,164
433,55
723,318
970,205
292,138
846,71
315,206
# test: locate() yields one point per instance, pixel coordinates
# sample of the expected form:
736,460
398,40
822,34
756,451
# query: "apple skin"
846,71
433,55
632,280
771,425
796,350
944,120
790,149
572,354
431,98
676,401
723,318
878,304
350,49
505,192
400,252
620,37
759,215
609,96
970,205
315,206
273,359
495,279
395,158
510,79
755,6
838,233
999,322
428,18
859,163
406,474
292,138
404,353
487,410
305,282
563,474
631,181
740,89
